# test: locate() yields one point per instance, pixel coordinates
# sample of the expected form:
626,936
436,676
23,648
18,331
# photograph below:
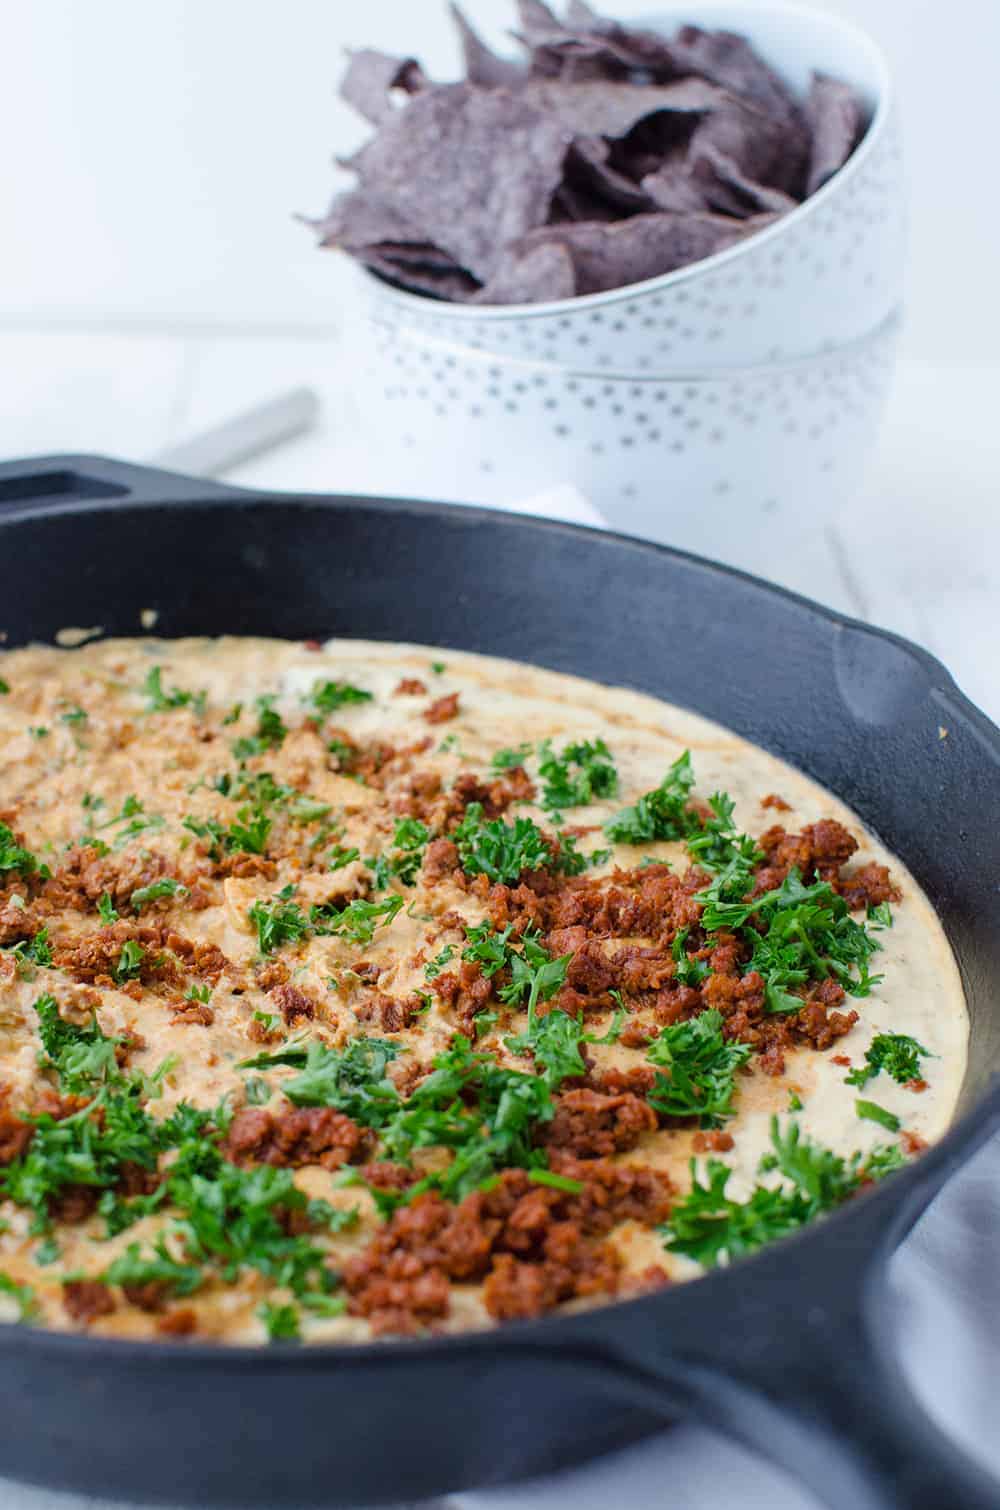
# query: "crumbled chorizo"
411,686
293,1004
295,1137
87,1299
594,1126
442,709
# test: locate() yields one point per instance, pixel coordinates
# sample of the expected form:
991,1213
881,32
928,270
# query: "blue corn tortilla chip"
482,65
472,168
537,275
644,246
372,76
834,113
606,154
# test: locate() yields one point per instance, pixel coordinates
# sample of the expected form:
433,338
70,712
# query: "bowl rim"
859,38
886,328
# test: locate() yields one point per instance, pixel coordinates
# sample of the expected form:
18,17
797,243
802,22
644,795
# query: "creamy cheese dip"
115,782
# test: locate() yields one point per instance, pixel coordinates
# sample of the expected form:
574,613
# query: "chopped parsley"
808,935
403,862
281,1322
22,1295
584,772
32,952
491,950
711,1228
129,961
270,735
660,814
897,1054
357,921
339,857
506,760
870,1111
106,909
14,856
82,1057
159,700
278,922
697,1069
434,967
73,716
158,1267
497,849
327,697
4,687
166,887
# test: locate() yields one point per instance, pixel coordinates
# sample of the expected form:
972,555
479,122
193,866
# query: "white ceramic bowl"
714,462
829,272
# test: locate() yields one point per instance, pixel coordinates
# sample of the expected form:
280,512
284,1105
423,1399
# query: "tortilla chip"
419,277
532,277
482,65
589,172
370,78
473,168
673,187
629,251
834,114
731,191
603,108
612,154
358,219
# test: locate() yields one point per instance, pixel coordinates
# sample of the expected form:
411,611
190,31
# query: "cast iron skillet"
791,1352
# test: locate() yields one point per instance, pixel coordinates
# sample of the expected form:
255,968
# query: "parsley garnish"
23,1295
808,935
278,922
166,887
327,697
4,687
660,814
270,735
870,1111
434,967
897,1054
409,841
700,1069
82,1057
281,1321
497,849
506,760
129,961
159,700
134,1268
357,921
582,773
74,715
339,857
106,909
14,856
711,1228
353,1080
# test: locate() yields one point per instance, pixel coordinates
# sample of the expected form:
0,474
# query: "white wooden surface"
918,553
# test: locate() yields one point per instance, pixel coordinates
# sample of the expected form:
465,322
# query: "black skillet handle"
804,1369
73,479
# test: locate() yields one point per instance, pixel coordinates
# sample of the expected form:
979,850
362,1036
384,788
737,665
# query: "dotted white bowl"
825,274
713,462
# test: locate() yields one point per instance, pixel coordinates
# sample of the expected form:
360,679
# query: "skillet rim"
905,1189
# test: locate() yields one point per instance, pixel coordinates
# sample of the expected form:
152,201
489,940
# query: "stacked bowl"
710,407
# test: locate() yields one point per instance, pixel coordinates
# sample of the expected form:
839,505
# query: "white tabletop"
918,552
